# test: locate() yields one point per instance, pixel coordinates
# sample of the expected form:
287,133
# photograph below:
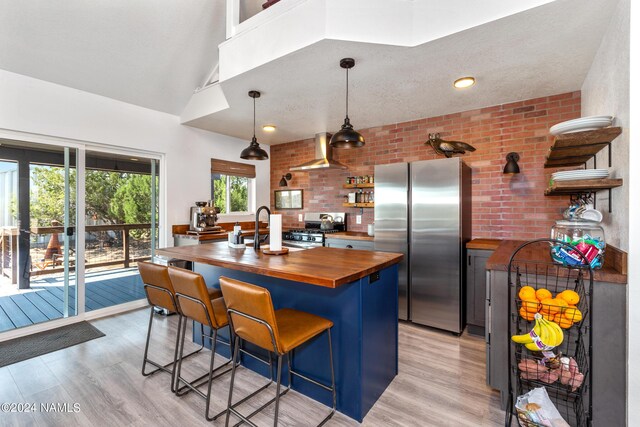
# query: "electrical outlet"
358,219
300,217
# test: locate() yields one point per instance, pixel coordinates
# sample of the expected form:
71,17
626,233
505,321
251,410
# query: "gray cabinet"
476,289
365,245
609,345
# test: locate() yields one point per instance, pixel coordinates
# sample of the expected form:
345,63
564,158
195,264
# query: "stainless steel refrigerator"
423,209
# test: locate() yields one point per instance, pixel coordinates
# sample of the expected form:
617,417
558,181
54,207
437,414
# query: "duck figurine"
447,148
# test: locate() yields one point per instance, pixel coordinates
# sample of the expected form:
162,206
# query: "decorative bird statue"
447,148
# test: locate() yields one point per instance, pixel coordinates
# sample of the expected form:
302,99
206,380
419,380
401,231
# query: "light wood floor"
441,383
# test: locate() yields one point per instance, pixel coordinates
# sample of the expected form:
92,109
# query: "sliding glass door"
38,280
74,223
121,226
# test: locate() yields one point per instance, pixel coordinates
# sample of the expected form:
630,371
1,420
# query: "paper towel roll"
275,232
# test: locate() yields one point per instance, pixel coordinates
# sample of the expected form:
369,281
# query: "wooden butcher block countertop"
613,271
322,266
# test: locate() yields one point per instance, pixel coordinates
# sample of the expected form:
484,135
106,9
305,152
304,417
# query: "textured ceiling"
543,51
151,53
154,53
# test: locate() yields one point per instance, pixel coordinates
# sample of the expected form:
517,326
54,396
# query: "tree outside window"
231,193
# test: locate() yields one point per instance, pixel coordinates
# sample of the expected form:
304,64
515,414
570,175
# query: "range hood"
324,156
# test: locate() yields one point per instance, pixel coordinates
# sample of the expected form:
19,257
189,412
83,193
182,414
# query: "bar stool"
193,303
160,293
253,319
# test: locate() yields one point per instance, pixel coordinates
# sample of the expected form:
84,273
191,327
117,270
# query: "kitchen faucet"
256,236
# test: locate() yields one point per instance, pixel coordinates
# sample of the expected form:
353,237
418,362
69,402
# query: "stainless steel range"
317,225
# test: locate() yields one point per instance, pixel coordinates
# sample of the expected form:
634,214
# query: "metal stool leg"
279,377
233,377
174,362
213,354
146,346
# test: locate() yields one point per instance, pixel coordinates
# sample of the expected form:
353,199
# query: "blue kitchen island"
357,290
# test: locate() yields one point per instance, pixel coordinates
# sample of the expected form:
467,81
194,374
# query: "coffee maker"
203,217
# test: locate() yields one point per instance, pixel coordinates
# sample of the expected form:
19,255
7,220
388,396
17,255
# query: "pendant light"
253,151
347,137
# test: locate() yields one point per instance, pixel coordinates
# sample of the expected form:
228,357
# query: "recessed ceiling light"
463,82
269,128
134,159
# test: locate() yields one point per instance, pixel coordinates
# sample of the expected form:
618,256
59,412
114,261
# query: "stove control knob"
313,239
298,237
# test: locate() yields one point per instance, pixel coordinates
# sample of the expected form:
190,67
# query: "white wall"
605,91
633,358
38,107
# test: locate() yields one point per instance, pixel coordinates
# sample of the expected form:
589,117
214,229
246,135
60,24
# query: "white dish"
582,172
582,124
591,215
580,175
582,178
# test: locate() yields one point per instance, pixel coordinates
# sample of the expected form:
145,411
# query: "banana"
544,333
522,339
550,334
559,333
532,346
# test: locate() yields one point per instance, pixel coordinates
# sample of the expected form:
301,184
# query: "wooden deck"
45,301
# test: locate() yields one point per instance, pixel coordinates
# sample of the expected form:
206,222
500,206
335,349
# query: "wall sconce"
512,163
285,178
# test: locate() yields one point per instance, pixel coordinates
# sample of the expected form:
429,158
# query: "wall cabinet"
476,289
365,245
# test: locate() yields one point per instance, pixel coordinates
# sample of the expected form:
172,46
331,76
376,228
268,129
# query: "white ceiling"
151,53
154,53
543,51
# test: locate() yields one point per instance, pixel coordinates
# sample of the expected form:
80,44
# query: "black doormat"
23,348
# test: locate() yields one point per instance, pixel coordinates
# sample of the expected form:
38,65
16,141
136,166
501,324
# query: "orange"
527,293
531,305
565,323
573,314
569,296
526,315
543,294
548,316
550,305
562,304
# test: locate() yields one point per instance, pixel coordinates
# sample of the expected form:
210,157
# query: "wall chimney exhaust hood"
324,156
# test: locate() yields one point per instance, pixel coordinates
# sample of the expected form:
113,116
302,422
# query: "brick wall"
504,206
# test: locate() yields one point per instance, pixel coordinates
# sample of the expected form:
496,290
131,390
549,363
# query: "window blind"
226,167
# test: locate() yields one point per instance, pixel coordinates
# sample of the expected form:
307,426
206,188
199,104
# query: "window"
232,186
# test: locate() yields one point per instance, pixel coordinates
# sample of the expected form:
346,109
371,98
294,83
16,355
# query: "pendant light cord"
347,113
254,118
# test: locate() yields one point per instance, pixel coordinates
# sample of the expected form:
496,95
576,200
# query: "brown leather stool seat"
253,318
160,293
194,302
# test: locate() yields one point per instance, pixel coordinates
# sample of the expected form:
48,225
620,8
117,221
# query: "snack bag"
535,406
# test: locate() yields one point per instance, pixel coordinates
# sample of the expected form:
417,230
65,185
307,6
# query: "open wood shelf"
358,185
358,205
581,186
575,149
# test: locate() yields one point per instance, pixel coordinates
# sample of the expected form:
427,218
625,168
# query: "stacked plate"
580,174
582,124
